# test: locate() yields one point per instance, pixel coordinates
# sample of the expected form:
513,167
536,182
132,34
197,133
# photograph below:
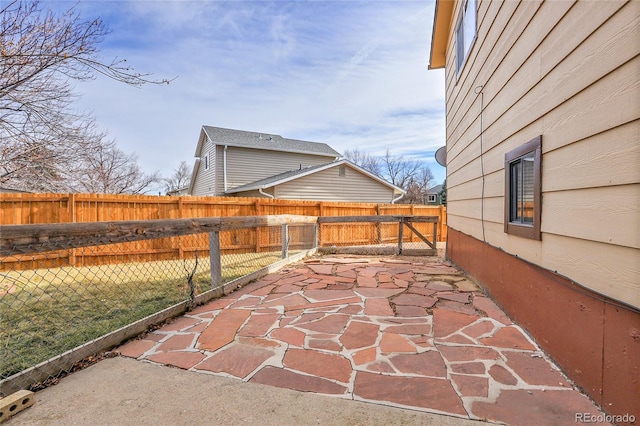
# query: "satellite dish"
441,156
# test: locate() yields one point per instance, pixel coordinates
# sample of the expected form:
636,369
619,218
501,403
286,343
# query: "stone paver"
405,332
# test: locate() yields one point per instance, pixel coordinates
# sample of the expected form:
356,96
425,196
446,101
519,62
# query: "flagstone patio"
405,332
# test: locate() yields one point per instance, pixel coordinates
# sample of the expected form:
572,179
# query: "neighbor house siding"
249,165
567,71
205,182
328,185
254,194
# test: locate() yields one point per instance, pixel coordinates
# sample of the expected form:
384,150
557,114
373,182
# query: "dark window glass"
465,32
523,196
522,190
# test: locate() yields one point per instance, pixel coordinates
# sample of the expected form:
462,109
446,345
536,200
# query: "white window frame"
466,31
206,161
432,198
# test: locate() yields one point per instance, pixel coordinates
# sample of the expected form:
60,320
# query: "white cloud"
345,73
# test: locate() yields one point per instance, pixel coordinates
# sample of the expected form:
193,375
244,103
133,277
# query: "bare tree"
398,169
365,160
42,160
40,53
413,176
112,171
179,179
418,186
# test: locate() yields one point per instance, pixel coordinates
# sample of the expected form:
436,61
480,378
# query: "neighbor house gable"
227,158
339,180
203,175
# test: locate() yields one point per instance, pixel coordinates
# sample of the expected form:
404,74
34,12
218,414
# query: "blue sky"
351,74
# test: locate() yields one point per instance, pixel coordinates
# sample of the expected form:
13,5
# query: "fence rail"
27,239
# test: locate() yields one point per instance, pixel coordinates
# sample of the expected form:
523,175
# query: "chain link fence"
55,301
379,235
65,295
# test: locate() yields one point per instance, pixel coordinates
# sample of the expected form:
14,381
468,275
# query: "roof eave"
200,144
440,34
268,148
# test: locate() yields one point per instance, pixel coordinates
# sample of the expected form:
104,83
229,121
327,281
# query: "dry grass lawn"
49,311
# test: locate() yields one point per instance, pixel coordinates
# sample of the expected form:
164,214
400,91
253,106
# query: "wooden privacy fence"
18,209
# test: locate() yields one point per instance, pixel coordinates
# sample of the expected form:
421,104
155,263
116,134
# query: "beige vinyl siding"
328,185
253,194
249,165
205,181
219,170
567,71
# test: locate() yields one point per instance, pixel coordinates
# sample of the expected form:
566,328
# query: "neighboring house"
250,164
434,197
543,181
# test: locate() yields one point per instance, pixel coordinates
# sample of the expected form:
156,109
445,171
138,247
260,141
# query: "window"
342,171
431,198
523,199
465,32
206,161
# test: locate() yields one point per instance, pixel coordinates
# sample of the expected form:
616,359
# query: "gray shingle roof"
242,138
434,190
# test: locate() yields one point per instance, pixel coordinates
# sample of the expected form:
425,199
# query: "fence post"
316,228
319,229
400,230
285,241
378,225
215,259
413,213
258,212
435,233
72,206
441,222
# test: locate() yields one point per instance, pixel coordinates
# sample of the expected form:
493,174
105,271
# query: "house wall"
437,202
205,180
328,185
566,70
577,86
246,165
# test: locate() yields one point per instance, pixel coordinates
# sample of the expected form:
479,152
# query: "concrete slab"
128,392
